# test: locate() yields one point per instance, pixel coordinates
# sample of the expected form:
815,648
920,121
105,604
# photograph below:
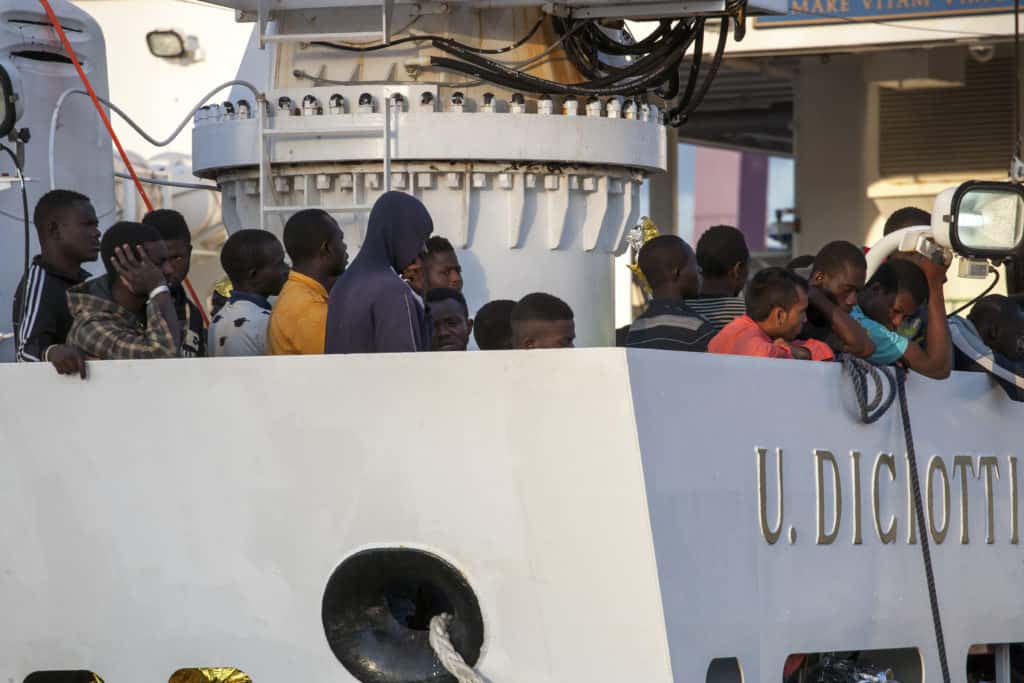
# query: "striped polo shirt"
672,326
719,310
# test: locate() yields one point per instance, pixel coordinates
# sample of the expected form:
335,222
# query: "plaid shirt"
106,330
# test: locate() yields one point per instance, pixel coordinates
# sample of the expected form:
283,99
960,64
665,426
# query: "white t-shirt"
240,327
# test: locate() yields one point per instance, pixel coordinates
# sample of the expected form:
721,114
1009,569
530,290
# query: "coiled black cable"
427,38
682,116
654,65
636,79
691,82
610,47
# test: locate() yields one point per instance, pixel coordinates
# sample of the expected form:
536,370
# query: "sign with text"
811,12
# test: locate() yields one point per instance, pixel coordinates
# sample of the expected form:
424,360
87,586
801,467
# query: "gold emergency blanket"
637,238
225,674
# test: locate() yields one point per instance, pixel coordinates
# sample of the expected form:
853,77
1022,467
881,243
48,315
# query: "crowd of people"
403,293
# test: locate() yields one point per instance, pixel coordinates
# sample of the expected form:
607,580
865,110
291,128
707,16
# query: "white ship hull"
604,507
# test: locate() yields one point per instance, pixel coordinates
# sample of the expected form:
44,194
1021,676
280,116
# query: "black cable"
570,43
653,52
584,42
501,74
610,47
975,300
691,83
723,34
922,528
24,209
519,81
426,38
671,89
871,410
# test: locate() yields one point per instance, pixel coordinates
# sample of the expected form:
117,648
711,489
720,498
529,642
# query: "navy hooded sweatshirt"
371,308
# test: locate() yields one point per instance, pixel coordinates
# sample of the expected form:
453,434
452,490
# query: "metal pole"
261,105
387,142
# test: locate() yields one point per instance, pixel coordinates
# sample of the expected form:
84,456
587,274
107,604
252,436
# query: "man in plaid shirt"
127,313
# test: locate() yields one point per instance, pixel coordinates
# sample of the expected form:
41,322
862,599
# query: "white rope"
451,660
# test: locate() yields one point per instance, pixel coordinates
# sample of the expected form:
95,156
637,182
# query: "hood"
969,345
93,297
396,232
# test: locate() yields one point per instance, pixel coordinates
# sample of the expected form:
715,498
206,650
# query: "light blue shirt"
889,346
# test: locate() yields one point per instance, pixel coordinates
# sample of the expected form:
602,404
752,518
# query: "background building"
880,104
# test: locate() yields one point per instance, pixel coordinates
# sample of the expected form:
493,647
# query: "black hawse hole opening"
377,609
414,604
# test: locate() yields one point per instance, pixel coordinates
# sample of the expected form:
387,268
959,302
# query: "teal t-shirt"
889,346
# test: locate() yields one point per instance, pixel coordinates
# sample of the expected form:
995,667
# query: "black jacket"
42,318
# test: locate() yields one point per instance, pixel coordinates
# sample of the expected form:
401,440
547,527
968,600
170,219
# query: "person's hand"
137,272
413,274
935,272
800,352
67,359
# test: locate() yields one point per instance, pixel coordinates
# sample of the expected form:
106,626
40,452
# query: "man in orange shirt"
316,247
776,311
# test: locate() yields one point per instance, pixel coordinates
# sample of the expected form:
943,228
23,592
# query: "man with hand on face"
127,313
68,237
542,321
178,240
316,246
450,316
254,260
776,311
371,309
837,275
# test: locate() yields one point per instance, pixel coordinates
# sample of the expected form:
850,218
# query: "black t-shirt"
193,331
41,318
822,333
817,327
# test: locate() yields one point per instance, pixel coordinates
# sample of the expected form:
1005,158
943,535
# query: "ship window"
900,664
77,676
724,670
212,674
995,662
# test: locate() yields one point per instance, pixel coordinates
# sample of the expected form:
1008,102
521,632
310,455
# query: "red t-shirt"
744,337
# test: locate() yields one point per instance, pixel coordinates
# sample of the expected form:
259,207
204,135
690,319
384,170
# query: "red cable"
113,136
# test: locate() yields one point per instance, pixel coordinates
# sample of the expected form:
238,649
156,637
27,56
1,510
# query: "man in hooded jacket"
371,309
